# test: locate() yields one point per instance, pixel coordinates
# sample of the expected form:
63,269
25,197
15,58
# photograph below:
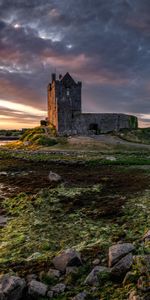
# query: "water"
4,142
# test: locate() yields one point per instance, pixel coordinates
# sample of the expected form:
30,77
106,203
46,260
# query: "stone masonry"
64,111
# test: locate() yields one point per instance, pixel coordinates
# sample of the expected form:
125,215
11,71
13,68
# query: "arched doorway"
93,127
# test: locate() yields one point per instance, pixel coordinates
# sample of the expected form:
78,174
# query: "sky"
103,43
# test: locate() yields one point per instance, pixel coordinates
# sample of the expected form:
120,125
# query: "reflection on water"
5,142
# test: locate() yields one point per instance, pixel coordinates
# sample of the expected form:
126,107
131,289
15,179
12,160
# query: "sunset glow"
21,108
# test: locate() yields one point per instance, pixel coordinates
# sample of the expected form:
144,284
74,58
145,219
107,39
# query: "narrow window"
68,92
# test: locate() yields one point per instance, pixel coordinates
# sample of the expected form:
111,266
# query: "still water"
4,142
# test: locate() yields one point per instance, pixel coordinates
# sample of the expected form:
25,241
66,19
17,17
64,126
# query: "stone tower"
64,102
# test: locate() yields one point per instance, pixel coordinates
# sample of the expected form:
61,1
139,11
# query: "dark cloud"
103,43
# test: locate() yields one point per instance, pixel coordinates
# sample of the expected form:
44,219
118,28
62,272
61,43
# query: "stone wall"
89,123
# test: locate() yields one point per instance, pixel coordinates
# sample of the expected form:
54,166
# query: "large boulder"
69,257
11,287
122,266
116,252
94,277
37,289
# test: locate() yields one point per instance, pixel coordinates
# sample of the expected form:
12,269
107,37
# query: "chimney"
53,77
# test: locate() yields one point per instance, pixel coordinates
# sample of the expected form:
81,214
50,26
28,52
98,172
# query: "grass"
39,224
45,138
141,135
88,157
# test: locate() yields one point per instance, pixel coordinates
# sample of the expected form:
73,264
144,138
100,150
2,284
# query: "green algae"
41,223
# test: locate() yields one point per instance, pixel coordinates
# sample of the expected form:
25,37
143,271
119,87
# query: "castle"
65,114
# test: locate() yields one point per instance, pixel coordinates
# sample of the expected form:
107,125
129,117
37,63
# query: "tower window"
68,92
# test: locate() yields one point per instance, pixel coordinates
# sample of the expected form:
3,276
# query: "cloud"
109,51
21,108
16,115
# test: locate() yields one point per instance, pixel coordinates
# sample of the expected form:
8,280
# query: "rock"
94,277
11,287
80,296
41,276
3,173
143,283
111,158
71,270
58,288
69,257
31,277
3,221
96,262
53,273
50,294
116,252
54,177
133,296
34,256
37,288
122,266
146,237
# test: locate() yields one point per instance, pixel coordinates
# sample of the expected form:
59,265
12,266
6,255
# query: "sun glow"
26,109
22,116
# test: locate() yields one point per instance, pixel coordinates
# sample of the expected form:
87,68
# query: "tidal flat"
102,199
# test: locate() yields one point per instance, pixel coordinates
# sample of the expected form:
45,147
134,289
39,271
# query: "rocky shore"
74,231
123,265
